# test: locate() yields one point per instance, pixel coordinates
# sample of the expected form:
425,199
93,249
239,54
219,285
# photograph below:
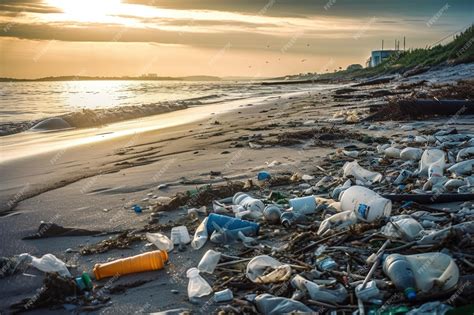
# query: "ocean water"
31,101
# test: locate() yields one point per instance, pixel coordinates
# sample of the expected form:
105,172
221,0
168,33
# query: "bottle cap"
410,293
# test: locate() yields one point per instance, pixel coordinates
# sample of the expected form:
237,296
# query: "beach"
91,178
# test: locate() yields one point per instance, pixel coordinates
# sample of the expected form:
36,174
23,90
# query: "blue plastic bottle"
229,223
398,269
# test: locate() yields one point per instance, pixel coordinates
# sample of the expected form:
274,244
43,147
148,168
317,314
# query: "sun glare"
86,9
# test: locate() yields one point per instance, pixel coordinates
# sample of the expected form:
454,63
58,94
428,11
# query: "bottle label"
363,210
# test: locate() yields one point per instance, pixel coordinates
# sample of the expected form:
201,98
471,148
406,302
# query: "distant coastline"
122,78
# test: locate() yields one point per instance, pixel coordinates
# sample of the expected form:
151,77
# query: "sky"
251,38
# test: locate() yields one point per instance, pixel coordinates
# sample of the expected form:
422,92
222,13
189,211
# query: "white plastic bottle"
367,204
255,206
197,286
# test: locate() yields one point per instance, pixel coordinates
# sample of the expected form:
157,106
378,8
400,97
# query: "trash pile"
375,230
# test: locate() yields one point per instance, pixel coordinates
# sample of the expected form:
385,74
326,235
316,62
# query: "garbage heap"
374,230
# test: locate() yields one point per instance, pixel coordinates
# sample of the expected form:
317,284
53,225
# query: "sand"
92,185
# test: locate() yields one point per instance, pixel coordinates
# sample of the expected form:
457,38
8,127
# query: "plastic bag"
47,263
197,286
258,265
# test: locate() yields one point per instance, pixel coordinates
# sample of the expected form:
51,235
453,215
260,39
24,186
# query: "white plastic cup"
303,205
223,296
180,235
367,204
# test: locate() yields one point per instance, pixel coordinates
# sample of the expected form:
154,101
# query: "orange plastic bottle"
144,262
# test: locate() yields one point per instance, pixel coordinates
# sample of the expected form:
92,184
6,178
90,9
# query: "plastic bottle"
463,153
359,173
223,296
289,218
370,291
405,228
229,223
161,241
154,260
320,293
325,263
272,214
84,282
367,204
268,304
197,286
402,177
462,168
399,270
209,261
180,235
303,205
434,271
432,163
248,202
201,235
47,263
413,154
392,152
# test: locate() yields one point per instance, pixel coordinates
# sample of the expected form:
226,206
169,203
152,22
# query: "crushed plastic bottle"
358,172
197,286
223,296
209,261
434,271
462,168
257,267
432,163
47,263
201,235
272,214
367,204
338,221
392,152
160,241
180,235
411,154
303,205
229,223
403,227
289,218
255,206
268,304
320,293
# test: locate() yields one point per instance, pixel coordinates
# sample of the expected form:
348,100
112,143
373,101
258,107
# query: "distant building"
378,56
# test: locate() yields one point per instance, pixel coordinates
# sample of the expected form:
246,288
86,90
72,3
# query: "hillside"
460,50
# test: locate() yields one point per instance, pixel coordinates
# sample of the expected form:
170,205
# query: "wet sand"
94,185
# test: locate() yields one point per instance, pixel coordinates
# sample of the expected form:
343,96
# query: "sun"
86,10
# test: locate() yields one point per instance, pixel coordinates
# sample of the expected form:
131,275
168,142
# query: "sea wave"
87,118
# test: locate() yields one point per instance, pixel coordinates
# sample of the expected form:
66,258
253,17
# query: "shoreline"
112,175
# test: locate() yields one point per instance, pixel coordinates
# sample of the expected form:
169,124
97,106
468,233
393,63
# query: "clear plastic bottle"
197,286
209,261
